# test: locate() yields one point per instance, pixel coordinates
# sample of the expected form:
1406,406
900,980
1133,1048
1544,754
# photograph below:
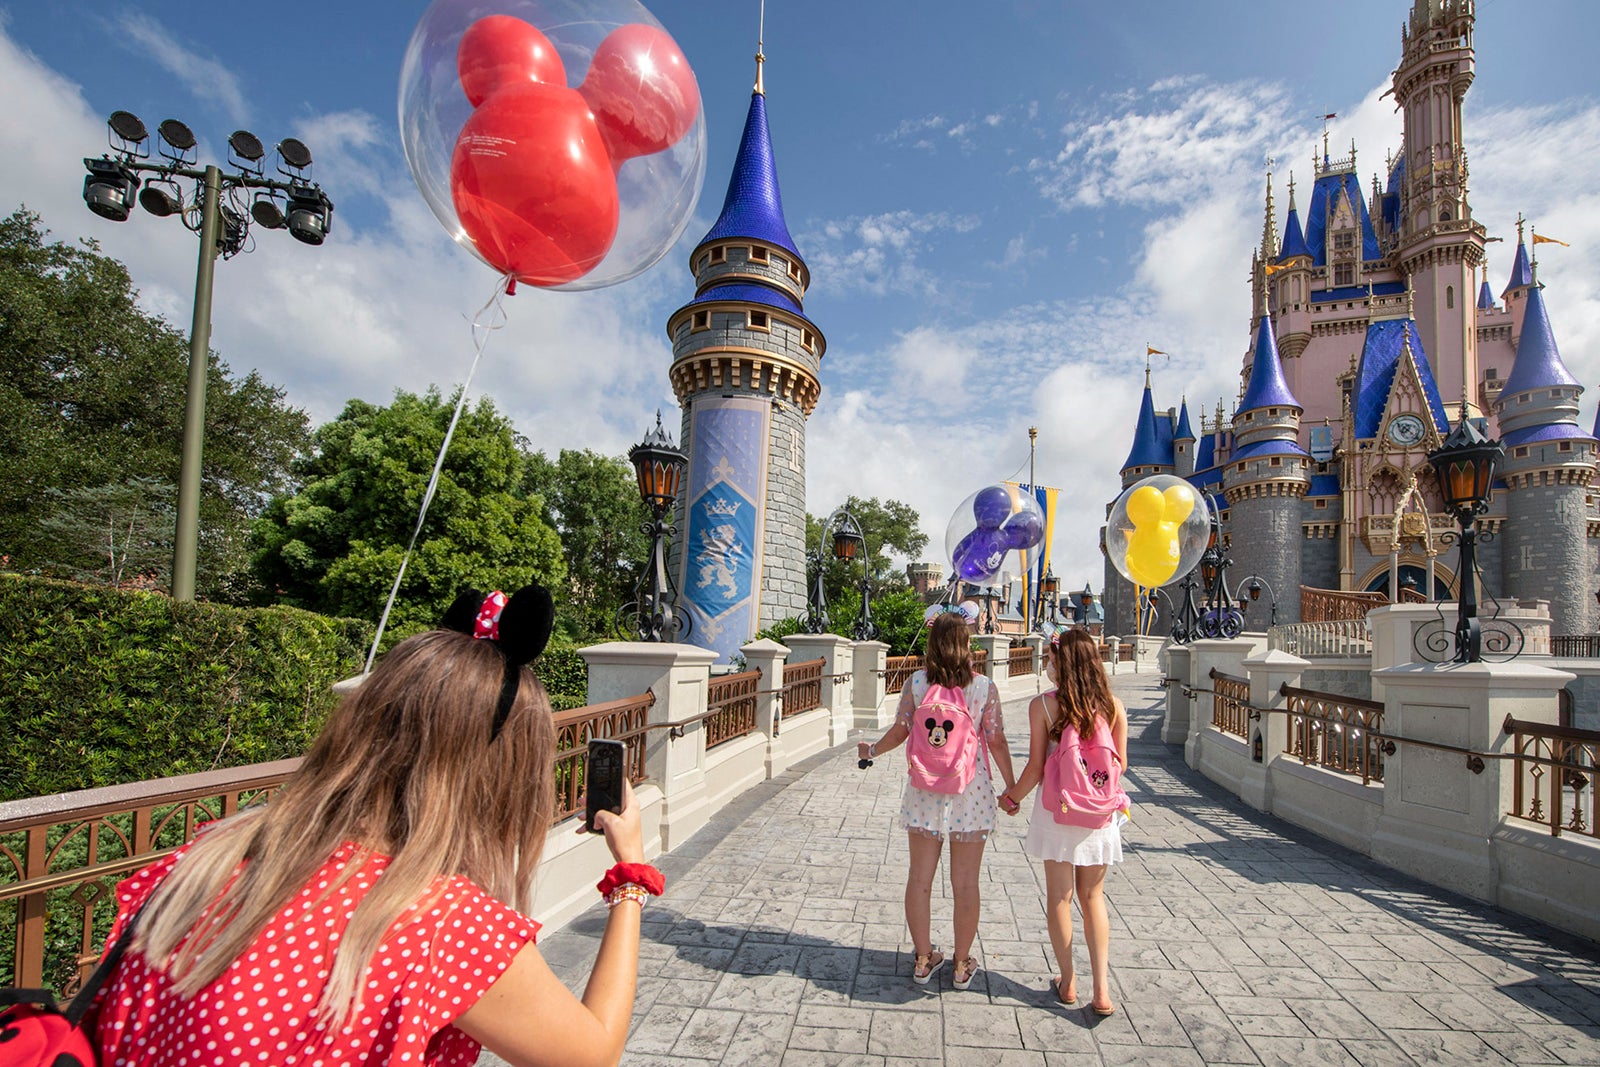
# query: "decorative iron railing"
731,707
1230,704
619,720
980,661
802,687
1020,662
1339,733
1553,770
1331,605
1336,637
897,671
1575,646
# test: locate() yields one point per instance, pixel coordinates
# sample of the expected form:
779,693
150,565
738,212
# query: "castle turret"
1548,466
1267,475
745,368
1152,442
1515,294
1292,290
1183,443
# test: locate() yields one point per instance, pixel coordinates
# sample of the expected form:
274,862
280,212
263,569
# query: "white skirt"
1077,845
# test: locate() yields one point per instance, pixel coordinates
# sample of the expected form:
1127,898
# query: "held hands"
864,754
1008,804
624,835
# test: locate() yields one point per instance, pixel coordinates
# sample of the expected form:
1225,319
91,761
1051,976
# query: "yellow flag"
1273,268
1153,351
1541,239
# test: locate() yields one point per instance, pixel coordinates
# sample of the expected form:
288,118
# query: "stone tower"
1548,467
1267,476
1151,454
745,370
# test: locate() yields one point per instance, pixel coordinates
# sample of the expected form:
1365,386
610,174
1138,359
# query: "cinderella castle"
1375,326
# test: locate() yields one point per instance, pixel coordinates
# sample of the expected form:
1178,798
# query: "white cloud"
881,253
202,75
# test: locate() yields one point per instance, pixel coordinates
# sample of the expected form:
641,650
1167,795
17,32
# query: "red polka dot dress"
431,966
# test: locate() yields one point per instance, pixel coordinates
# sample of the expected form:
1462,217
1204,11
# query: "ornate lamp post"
1085,602
1219,618
1047,590
1465,466
658,464
849,544
216,209
1252,587
989,594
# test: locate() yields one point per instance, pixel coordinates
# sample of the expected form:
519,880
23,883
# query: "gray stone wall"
1319,556
733,329
1266,540
783,567
1544,553
738,268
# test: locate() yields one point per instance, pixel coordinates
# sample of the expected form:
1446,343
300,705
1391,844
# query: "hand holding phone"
603,780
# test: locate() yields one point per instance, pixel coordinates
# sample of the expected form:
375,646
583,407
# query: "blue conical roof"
1485,295
1538,364
1294,238
753,207
1597,423
1521,272
1386,343
1147,450
1267,387
1184,432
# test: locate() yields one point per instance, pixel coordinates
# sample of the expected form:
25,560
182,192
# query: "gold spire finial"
761,33
1520,221
1411,299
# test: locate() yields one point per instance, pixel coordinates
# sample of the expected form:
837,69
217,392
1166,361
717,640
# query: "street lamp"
1252,588
849,544
1047,589
1085,602
216,211
658,464
1219,617
1465,467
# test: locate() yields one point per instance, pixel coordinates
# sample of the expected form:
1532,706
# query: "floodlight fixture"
294,153
310,214
247,146
127,127
267,212
177,135
161,198
109,189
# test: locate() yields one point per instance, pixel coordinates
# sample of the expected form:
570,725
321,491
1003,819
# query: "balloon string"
489,318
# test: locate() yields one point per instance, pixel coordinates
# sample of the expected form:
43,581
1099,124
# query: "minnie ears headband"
519,626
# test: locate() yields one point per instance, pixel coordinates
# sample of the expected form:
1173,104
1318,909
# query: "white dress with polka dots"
969,815
432,965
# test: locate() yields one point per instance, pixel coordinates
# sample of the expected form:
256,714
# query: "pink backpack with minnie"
1083,778
942,750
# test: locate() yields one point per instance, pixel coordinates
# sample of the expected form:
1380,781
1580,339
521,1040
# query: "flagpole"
1027,578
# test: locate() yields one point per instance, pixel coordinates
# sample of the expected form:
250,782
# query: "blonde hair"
1082,691
405,766
949,659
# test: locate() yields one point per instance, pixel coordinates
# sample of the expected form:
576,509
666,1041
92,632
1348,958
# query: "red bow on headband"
487,624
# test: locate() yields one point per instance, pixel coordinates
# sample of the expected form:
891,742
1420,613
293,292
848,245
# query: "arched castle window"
1449,296
1383,489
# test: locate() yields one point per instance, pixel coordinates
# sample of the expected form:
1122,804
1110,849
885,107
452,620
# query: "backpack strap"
85,997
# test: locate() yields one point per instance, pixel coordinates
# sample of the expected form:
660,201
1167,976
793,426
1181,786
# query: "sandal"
932,961
1110,1009
1055,987
969,967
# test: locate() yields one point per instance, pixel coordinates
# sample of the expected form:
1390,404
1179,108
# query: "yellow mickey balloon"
1153,550
1180,501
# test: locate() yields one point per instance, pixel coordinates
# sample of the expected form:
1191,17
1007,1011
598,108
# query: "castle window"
1522,453
1277,461
794,271
718,255
1344,241
702,320
700,264
1344,274
1449,296
758,255
808,340
1319,503
760,321
1564,446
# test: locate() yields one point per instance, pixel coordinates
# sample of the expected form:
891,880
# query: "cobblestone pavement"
1235,939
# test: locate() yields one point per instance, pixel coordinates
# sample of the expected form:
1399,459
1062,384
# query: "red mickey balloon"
533,184
500,51
642,91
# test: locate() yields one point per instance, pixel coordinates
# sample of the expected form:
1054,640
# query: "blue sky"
1001,204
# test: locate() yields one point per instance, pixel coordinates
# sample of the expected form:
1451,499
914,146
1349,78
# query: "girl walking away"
1078,747
374,911
949,719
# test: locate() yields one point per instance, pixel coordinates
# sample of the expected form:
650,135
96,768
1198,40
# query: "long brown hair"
405,767
1082,691
949,651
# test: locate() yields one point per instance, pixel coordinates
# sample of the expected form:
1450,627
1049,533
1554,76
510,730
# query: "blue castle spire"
1485,295
1538,364
1183,432
754,207
1294,238
1147,450
1267,386
1521,272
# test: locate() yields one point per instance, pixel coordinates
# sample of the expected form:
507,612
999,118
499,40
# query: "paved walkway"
1235,939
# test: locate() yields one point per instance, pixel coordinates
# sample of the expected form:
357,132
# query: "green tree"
898,616
593,502
335,546
92,395
889,526
120,534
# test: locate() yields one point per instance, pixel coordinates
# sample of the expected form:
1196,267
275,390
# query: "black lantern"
658,464
849,544
1252,588
1465,466
1048,587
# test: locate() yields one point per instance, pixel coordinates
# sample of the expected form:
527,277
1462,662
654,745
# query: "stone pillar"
866,685
835,653
1439,817
768,657
1267,671
1037,643
1227,657
1175,723
1393,628
998,646
677,675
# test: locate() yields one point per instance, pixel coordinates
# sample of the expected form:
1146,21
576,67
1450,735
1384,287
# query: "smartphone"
603,780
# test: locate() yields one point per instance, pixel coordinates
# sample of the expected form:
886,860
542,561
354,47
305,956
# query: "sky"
1001,204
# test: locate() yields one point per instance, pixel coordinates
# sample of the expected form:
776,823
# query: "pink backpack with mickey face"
1083,778
942,750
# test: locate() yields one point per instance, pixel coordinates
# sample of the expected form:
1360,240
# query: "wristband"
628,891
642,875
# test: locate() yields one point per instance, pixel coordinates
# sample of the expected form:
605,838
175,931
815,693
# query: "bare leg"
1058,916
966,860
1091,883
919,890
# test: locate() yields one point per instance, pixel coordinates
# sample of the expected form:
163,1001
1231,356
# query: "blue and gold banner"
1036,561
725,522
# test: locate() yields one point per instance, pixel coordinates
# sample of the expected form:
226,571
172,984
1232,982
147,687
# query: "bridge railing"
1335,732
1554,776
802,687
731,702
1230,704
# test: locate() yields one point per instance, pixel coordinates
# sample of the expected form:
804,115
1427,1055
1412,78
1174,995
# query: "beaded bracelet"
628,891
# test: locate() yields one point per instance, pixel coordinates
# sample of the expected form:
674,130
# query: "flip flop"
1055,987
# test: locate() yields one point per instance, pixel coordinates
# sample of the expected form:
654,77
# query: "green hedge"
101,686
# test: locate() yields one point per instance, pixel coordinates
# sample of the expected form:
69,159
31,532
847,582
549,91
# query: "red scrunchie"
640,874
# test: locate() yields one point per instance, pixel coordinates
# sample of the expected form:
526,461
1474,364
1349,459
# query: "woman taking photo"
1081,711
932,815
374,911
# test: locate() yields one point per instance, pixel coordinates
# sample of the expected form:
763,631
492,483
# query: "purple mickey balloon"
1023,530
979,555
991,506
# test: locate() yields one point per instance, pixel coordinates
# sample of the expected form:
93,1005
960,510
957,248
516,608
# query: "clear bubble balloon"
559,141
1157,530
987,527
